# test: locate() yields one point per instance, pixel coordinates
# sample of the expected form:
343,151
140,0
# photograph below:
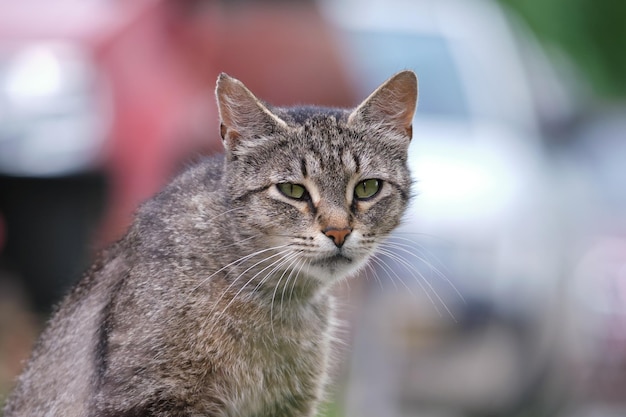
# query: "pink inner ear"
397,100
228,135
223,131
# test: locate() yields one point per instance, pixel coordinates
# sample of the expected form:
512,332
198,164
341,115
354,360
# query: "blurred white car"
465,313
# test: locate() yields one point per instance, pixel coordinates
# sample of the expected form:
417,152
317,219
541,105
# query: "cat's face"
321,186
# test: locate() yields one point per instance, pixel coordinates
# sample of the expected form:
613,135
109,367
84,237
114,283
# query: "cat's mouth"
333,260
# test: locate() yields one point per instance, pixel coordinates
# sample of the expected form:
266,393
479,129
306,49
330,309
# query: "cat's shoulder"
199,177
203,173
196,188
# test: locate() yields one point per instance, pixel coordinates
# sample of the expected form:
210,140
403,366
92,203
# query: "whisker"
415,278
281,259
242,259
404,248
402,232
378,261
413,244
233,263
277,267
374,272
292,285
291,271
234,281
223,214
418,278
246,239
307,262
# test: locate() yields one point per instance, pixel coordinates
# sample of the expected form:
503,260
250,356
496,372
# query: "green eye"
366,189
295,191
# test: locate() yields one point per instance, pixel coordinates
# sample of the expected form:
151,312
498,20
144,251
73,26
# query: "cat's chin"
335,268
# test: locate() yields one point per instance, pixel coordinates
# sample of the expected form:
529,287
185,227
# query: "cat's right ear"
242,116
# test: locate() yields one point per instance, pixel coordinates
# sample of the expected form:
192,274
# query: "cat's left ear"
243,118
391,106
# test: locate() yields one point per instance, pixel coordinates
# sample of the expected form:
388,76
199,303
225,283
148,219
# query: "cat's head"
321,186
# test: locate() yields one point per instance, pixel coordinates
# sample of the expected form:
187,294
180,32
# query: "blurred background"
504,291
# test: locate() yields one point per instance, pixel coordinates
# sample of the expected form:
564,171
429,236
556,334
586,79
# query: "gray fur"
217,302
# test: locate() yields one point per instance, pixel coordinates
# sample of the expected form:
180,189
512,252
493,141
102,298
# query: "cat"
217,301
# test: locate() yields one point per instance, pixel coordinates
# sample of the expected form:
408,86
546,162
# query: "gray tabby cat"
217,301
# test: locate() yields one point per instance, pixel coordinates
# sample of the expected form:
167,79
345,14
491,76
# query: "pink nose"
337,235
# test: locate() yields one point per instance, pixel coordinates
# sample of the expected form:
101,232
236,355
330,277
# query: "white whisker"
374,272
294,258
297,274
418,277
241,289
378,261
235,262
274,266
405,249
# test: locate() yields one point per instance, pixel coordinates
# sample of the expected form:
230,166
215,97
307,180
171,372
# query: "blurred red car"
101,101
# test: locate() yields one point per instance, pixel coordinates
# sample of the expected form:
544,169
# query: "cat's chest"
280,379
280,365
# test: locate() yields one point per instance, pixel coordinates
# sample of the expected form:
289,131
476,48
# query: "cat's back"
50,385
60,375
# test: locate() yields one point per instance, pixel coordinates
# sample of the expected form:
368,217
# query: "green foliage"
592,32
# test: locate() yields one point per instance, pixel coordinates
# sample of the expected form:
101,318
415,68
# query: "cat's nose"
337,235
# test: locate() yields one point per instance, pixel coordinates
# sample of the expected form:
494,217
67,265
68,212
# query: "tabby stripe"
303,167
248,193
104,332
403,193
